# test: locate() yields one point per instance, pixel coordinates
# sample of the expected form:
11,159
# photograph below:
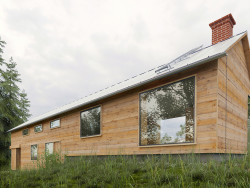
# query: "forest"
14,103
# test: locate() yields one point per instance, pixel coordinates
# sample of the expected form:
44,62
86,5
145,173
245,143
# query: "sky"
66,50
172,126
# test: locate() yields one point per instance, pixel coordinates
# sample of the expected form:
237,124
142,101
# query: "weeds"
124,171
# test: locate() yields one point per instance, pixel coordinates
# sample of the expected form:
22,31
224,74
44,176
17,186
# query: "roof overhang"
245,44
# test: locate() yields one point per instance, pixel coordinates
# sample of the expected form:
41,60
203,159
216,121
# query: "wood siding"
232,101
120,118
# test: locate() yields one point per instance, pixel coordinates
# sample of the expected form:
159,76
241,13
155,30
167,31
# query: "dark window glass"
34,152
167,114
55,123
90,122
25,131
38,128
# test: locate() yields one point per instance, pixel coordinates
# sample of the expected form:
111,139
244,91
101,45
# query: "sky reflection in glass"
167,114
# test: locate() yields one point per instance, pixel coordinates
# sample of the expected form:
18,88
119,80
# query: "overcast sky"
66,50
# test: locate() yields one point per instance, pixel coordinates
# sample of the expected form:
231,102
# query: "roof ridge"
227,39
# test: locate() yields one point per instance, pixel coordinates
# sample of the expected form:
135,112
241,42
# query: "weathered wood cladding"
120,124
120,117
13,159
233,91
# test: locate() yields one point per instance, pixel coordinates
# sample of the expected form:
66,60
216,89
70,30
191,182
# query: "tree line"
14,104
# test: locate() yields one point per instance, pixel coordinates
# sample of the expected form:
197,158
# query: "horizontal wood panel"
233,90
120,123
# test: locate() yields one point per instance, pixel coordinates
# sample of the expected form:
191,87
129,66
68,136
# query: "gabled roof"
188,60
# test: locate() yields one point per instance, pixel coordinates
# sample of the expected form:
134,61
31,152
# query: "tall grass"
133,171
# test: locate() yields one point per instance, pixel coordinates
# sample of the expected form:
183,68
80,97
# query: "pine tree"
24,106
13,103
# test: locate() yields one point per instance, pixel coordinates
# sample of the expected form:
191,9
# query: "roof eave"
246,48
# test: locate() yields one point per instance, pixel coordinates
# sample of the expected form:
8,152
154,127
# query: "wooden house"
196,103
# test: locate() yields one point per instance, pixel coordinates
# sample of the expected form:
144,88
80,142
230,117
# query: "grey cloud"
77,48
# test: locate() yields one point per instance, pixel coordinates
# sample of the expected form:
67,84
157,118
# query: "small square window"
34,152
90,122
55,123
25,132
38,128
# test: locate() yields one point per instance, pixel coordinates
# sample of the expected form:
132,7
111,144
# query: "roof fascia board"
194,64
230,47
246,49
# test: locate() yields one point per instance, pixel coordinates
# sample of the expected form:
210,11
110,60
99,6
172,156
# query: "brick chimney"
222,28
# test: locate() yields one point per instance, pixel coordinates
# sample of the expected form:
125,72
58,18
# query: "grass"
124,171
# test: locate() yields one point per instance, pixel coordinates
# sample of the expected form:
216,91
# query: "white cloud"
68,49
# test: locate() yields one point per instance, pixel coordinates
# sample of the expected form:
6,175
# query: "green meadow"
131,171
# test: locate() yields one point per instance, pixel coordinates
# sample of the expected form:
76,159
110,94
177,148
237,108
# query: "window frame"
27,133
195,115
53,148
58,119
31,152
97,135
37,126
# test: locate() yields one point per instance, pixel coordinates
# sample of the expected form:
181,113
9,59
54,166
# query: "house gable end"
246,50
245,44
233,91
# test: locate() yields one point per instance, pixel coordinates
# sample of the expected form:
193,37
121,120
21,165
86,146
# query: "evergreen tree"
13,103
24,106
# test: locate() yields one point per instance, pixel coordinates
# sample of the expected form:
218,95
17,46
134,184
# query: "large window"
167,114
34,152
49,148
90,122
38,128
55,123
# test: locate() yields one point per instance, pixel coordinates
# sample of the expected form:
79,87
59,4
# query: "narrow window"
90,122
25,132
49,148
38,128
167,114
55,123
34,152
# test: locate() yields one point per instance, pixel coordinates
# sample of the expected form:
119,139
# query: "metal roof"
198,56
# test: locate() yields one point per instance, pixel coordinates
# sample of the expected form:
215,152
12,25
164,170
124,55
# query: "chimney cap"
227,17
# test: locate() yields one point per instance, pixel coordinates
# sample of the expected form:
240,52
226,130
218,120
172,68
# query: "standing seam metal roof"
194,59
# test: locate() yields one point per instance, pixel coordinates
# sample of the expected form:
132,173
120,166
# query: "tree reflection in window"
38,128
90,122
34,152
167,114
